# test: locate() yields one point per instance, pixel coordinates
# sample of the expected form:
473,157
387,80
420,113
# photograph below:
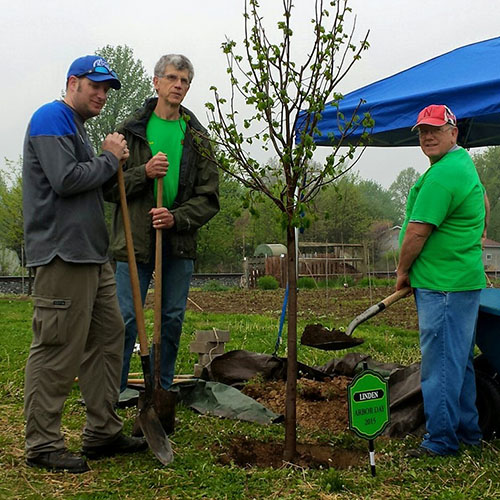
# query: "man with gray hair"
162,149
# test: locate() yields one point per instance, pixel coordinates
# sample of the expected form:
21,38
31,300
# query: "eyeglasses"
434,130
103,70
173,79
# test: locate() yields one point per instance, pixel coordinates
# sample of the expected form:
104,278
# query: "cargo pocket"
50,318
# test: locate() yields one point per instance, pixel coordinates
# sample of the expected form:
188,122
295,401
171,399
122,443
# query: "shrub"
306,282
376,282
214,286
336,282
267,283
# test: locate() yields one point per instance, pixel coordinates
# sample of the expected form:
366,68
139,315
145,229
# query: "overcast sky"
39,40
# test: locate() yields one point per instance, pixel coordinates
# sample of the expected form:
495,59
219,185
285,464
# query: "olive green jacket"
197,199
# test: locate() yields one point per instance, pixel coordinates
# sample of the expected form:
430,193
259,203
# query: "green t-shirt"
167,136
451,197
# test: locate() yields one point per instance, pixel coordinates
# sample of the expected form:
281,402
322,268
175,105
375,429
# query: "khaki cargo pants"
77,331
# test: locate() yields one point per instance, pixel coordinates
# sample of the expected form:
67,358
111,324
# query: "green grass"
195,472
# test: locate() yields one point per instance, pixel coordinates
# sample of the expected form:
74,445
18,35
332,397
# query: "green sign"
368,401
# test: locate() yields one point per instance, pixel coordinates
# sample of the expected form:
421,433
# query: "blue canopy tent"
466,79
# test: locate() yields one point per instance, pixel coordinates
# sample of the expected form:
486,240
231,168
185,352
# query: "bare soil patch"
343,305
246,452
320,405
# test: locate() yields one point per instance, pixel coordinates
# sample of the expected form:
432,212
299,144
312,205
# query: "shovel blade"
328,340
155,435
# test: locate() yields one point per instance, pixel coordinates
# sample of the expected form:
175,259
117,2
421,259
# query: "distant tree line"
353,210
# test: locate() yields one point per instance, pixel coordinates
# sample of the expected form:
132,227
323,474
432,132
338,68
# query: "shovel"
148,419
335,340
163,400
373,310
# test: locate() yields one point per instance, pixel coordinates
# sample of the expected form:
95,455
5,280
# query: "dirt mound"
320,405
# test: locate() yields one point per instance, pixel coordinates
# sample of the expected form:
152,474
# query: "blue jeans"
447,323
176,277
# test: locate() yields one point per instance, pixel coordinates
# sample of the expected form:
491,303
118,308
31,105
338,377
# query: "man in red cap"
441,258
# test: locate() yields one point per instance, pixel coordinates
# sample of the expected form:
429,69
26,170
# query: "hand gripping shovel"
148,419
163,400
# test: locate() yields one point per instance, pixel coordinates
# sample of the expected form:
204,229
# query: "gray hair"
179,62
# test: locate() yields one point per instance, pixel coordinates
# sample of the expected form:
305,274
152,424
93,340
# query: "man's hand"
402,280
162,218
115,143
157,166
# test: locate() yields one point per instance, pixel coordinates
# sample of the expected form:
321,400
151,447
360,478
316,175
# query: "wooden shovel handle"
375,309
158,268
132,266
158,290
396,296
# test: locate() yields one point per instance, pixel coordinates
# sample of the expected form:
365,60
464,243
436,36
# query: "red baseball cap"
436,115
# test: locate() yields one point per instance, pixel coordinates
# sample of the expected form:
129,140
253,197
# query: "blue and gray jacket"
63,206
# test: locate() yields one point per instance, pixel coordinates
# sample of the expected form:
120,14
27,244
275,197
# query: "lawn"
196,472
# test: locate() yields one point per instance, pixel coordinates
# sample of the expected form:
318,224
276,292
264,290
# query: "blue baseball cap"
95,68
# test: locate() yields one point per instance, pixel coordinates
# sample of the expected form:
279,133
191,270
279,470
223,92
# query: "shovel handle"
132,266
371,311
158,290
148,419
158,268
399,294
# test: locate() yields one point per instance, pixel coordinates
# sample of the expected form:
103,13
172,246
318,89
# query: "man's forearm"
415,237
486,214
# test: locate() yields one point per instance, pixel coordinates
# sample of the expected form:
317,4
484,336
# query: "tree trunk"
291,376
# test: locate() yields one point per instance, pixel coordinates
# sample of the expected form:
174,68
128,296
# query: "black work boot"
59,461
119,444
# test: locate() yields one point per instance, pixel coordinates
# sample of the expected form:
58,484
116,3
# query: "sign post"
368,404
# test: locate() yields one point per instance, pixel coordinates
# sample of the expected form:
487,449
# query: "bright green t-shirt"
451,197
167,136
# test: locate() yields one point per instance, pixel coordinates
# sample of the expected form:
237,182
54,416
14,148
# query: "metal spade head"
155,434
320,337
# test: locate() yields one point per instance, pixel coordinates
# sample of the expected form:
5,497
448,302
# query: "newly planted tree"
276,101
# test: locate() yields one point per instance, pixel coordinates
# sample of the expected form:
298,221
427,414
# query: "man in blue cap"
77,326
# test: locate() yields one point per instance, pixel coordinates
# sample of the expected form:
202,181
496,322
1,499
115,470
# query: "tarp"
466,79
221,400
